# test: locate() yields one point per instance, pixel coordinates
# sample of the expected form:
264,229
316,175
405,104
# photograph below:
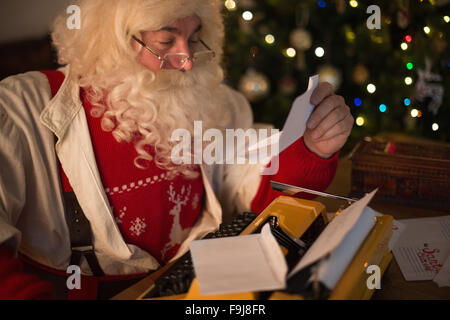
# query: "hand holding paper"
330,123
318,115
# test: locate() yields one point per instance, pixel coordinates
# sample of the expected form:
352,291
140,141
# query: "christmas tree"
389,61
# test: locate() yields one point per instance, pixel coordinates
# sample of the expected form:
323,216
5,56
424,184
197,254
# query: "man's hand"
330,123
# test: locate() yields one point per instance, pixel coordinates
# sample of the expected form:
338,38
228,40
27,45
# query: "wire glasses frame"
177,61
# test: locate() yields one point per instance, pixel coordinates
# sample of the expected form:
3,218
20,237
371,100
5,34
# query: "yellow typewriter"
296,224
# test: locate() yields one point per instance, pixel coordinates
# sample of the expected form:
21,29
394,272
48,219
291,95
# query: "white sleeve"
12,180
21,98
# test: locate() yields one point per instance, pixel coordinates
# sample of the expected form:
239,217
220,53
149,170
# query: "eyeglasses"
178,61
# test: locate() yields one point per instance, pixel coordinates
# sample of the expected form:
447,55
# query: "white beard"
145,109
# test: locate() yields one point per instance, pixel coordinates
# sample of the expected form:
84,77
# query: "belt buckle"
83,248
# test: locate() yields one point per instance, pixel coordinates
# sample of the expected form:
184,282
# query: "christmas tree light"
407,102
247,15
360,121
290,52
371,88
319,52
371,75
270,39
230,5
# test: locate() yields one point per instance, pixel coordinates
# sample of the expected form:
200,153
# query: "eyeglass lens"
178,60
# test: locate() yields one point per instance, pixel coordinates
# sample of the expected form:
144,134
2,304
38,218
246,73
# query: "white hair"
136,104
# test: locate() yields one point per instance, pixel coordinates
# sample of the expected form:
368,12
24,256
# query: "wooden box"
411,173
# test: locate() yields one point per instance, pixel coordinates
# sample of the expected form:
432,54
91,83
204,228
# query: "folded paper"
239,264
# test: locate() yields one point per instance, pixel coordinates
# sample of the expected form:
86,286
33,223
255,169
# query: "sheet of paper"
239,264
331,269
301,110
397,229
295,124
442,279
423,247
253,152
334,233
421,261
293,129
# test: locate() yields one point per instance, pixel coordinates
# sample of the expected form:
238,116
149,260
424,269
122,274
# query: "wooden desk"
393,284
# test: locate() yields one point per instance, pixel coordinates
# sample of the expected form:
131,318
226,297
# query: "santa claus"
86,174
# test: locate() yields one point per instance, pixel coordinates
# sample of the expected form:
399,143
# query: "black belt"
80,235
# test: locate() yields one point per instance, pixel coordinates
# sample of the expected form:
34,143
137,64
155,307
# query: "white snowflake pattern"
121,215
138,226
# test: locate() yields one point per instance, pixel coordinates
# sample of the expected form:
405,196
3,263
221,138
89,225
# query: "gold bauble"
360,74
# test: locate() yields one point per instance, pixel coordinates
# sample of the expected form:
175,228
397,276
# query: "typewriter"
295,223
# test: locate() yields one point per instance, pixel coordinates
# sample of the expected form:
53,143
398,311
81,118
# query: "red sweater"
155,213
151,211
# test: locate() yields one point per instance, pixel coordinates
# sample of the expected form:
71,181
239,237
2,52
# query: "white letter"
271,142
374,21
373,282
74,281
74,21
242,146
198,142
216,146
274,145
183,147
